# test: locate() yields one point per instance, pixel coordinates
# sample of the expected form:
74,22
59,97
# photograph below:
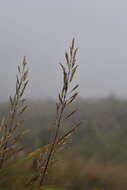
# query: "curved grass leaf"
31,155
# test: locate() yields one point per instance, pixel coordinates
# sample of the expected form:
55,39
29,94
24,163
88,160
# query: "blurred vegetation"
97,153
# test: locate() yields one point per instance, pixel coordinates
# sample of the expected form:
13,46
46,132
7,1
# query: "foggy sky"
42,29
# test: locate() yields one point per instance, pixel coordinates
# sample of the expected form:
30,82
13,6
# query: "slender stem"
58,122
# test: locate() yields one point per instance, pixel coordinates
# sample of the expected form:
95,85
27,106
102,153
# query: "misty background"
42,30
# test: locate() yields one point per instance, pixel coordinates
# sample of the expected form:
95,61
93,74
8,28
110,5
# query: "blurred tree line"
99,146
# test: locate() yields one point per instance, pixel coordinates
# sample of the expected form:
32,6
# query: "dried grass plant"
9,135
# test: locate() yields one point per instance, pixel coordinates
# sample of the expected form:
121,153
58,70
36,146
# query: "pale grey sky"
42,30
